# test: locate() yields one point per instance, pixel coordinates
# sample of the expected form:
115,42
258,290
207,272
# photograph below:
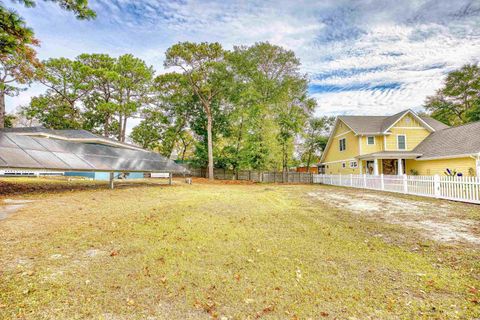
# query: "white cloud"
379,56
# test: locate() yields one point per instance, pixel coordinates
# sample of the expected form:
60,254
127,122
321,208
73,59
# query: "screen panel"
26,142
47,159
16,157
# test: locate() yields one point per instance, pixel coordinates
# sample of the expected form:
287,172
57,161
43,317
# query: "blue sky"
363,57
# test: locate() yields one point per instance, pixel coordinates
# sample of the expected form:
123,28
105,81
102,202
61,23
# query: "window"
401,142
353,164
343,144
371,140
344,165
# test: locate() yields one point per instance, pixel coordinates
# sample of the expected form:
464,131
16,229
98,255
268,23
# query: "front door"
389,166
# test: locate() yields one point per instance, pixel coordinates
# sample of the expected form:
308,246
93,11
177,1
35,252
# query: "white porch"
388,163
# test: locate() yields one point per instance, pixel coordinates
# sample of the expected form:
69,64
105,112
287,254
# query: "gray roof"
69,134
453,141
435,124
378,124
36,152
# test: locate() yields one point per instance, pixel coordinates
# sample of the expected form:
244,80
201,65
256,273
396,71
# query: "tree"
100,104
204,67
134,86
151,131
274,96
315,139
15,36
458,101
18,61
79,7
67,84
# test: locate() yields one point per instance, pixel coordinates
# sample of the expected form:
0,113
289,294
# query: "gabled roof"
455,141
381,124
364,124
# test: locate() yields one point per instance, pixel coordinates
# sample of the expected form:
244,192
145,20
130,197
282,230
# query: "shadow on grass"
24,186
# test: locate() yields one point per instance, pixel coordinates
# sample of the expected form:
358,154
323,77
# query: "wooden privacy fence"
466,189
257,176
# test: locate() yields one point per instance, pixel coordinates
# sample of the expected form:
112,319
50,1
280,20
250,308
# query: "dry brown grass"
215,250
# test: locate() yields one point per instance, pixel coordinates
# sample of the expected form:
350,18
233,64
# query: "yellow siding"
351,151
366,148
432,167
337,168
411,128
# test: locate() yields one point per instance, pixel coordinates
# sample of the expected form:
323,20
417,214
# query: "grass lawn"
222,251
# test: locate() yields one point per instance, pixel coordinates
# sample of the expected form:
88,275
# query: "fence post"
382,182
365,180
436,185
351,180
405,183
249,175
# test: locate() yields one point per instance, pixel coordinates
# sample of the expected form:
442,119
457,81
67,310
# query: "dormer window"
370,140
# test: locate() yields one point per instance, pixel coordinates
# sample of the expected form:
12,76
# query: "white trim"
415,116
384,143
456,156
341,134
372,144
414,128
359,144
400,135
336,161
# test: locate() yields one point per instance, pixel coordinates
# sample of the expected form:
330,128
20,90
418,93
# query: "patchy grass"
231,251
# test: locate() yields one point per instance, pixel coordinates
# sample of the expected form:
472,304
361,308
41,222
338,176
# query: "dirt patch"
438,221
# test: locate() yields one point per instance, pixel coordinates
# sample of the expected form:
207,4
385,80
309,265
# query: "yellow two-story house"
404,143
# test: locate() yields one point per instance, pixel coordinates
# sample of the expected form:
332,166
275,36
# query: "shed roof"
37,152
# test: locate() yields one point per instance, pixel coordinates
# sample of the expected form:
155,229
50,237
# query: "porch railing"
466,189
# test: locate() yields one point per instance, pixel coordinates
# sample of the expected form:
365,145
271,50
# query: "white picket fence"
466,189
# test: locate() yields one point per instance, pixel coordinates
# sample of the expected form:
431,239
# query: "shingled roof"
379,124
455,141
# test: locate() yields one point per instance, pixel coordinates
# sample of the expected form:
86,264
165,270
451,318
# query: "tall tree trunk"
124,128
120,122
2,109
105,126
309,159
210,145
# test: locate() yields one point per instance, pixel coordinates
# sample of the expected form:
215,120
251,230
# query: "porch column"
478,165
360,165
375,167
400,167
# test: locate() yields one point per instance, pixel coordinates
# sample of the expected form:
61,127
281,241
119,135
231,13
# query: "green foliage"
78,7
15,36
458,101
315,139
94,91
18,59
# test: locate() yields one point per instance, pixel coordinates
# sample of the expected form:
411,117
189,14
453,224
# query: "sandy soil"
438,221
